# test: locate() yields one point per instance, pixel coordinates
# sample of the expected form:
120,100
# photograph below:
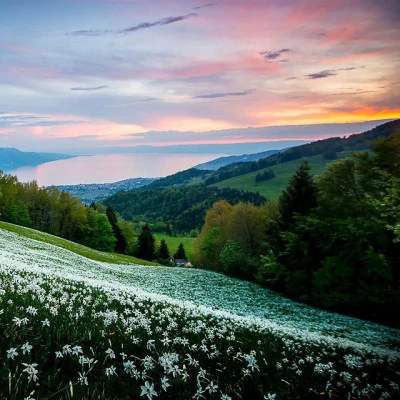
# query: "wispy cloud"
218,95
132,103
322,74
272,55
89,88
163,21
15,120
135,28
204,6
95,32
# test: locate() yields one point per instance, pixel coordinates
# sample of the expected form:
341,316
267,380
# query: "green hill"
183,207
328,148
187,177
272,188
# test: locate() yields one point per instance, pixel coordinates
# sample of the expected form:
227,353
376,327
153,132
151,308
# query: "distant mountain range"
11,158
222,161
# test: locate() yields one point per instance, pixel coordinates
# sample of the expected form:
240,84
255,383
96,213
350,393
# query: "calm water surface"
109,168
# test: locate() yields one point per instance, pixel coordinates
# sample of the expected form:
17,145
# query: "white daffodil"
148,390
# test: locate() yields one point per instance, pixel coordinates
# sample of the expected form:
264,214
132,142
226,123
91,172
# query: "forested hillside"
187,177
178,209
333,241
326,147
223,161
55,212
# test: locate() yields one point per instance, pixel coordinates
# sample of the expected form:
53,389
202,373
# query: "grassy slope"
200,287
173,243
266,344
84,251
272,188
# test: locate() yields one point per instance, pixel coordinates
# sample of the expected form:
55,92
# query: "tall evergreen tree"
299,197
180,253
162,253
120,244
146,244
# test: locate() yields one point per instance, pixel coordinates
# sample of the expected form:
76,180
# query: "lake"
107,168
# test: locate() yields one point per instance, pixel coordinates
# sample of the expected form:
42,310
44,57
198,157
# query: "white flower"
110,353
129,366
17,321
111,371
252,362
148,390
175,370
46,322
76,350
12,353
150,344
83,379
31,310
270,396
135,340
85,360
164,383
212,387
26,348
199,393
31,370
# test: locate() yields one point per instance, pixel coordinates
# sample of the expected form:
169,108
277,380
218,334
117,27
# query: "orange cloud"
325,115
191,124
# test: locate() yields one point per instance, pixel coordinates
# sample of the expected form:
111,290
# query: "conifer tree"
180,253
162,253
146,244
299,196
120,244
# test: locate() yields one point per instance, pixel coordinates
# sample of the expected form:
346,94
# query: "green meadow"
273,188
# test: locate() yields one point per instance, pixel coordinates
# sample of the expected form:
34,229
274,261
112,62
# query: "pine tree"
146,244
162,254
299,196
180,253
120,244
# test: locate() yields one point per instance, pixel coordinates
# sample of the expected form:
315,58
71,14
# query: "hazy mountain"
11,158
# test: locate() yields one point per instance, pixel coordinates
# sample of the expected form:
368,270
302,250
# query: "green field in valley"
174,241
273,188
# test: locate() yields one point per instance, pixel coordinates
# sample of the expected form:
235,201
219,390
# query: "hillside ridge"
12,158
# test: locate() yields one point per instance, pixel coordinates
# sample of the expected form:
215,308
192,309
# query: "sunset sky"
99,73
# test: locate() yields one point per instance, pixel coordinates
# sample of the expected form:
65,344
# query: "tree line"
332,241
177,210
60,214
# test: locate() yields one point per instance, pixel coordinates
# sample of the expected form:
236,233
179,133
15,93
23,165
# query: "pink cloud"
35,71
18,48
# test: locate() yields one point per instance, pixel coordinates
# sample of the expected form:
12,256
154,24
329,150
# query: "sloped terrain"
95,329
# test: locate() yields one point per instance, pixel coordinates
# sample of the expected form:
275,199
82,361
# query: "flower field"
74,328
